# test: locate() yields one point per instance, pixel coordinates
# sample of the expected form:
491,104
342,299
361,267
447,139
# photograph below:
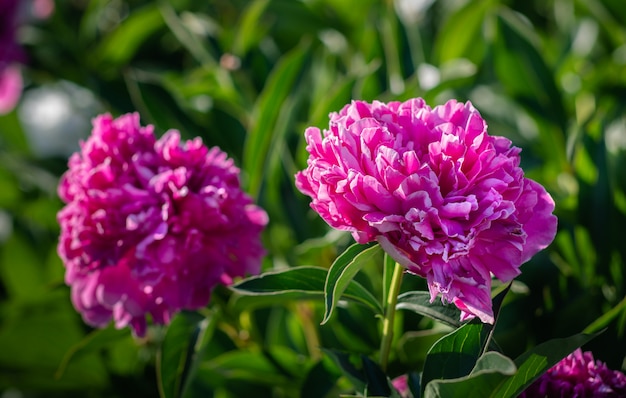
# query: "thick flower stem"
390,313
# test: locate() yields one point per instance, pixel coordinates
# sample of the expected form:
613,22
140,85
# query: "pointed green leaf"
250,30
455,354
349,365
301,283
377,382
277,88
490,371
179,354
462,34
343,270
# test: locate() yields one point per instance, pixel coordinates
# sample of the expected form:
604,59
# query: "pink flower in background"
578,376
401,384
151,226
10,54
13,13
10,88
441,196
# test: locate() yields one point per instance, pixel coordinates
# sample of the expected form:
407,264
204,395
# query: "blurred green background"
250,76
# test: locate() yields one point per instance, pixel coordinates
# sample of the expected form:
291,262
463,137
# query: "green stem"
390,313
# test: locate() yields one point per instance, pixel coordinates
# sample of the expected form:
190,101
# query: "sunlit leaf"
343,270
301,283
455,354
488,374
265,114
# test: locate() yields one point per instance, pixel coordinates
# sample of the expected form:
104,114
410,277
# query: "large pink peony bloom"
441,196
578,376
151,226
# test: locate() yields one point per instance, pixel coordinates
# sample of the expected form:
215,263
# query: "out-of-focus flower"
441,196
401,384
10,55
10,87
151,226
12,14
578,376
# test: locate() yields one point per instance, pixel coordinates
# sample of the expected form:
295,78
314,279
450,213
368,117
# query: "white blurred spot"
571,82
202,103
56,116
334,40
412,11
428,75
586,37
6,226
615,136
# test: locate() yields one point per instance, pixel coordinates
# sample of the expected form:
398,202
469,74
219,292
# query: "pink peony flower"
401,384
10,88
578,376
14,13
441,196
151,226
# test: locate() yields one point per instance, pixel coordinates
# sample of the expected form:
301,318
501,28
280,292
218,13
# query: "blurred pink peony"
10,88
578,376
151,226
401,384
441,196
14,13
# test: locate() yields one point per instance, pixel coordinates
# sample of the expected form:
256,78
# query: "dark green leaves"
419,302
495,375
456,354
180,353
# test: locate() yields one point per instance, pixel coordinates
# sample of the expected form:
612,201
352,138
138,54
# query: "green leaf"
185,36
232,366
179,354
300,283
364,374
377,382
121,45
94,341
490,370
521,68
250,30
277,88
462,34
350,365
419,302
343,270
455,354
320,380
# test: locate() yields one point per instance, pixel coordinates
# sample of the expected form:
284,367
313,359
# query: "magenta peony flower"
151,226
10,54
441,196
12,14
578,376
401,384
